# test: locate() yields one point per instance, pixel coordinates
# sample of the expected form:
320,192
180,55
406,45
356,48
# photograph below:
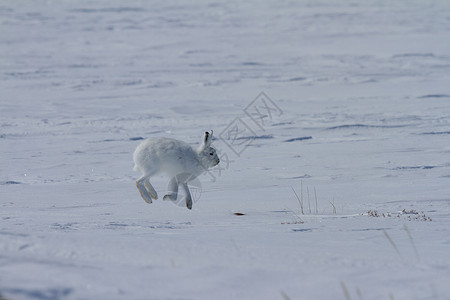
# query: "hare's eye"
211,153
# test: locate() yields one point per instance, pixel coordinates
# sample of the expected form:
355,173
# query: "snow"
359,122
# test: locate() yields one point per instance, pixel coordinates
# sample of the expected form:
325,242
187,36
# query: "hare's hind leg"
146,189
150,189
172,189
188,195
143,192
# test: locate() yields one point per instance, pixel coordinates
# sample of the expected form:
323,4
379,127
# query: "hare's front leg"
188,195
146,189
172,189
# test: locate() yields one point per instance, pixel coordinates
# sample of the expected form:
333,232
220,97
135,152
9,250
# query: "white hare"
179,160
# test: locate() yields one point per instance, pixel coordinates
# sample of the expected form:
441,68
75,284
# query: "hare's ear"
207,140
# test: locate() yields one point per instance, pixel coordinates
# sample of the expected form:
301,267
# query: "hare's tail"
136,168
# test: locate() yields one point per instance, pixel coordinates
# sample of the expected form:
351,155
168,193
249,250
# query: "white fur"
179,160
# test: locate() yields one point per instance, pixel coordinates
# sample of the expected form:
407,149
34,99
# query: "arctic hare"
179,160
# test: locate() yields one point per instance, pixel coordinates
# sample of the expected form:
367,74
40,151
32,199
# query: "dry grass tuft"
410,215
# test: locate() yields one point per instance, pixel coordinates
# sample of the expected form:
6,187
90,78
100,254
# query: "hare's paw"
189,202
171,196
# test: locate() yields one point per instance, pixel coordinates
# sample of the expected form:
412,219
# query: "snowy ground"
363,128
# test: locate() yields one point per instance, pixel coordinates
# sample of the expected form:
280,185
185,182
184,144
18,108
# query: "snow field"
364,94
